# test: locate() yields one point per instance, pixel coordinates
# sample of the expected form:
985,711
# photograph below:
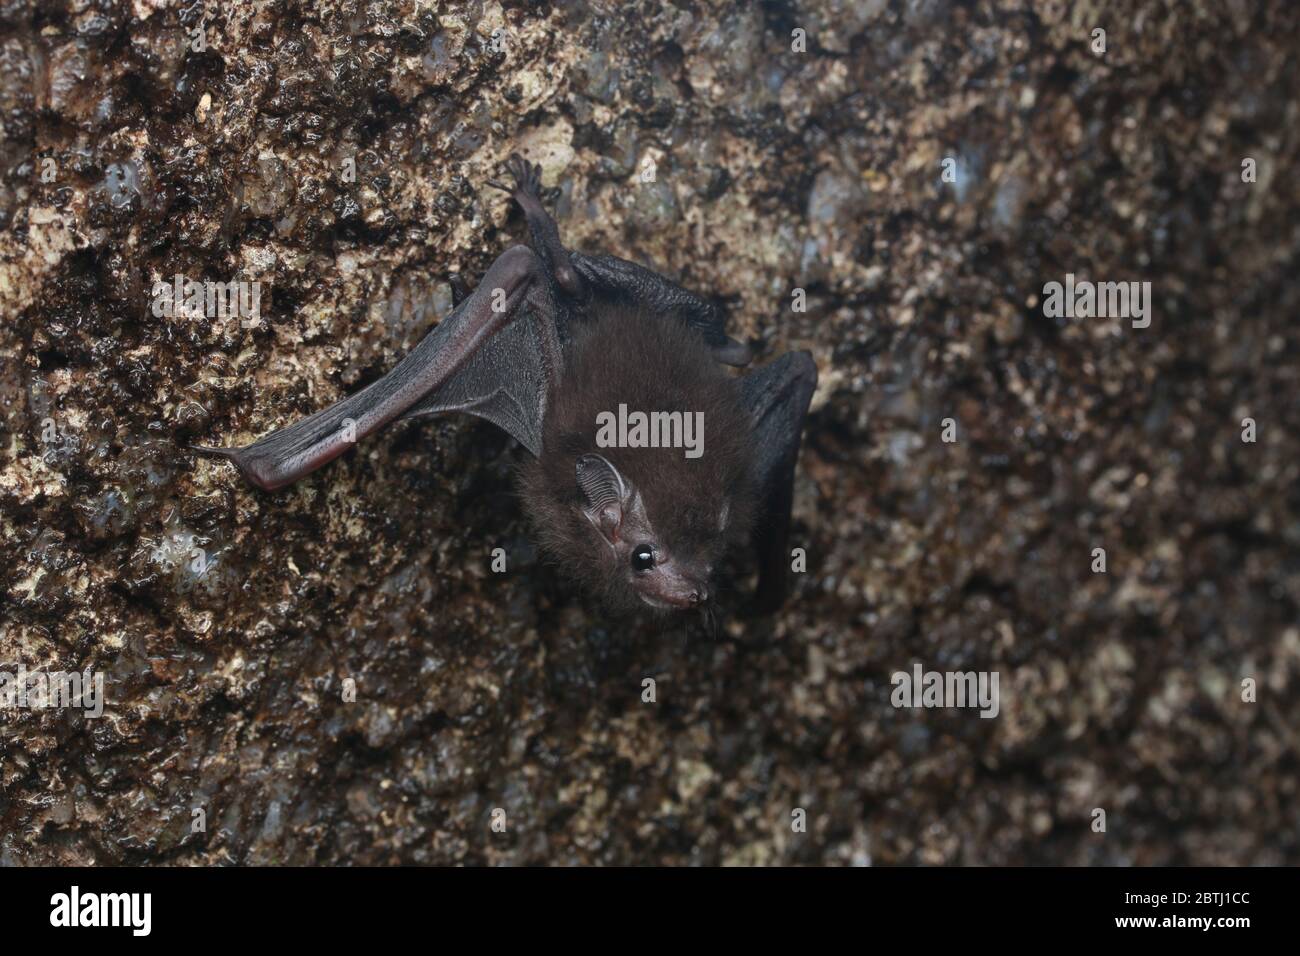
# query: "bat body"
649,462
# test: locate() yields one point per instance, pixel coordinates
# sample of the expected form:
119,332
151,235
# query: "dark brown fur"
650,364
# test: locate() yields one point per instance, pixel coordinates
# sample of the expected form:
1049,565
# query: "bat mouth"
659,605
683,601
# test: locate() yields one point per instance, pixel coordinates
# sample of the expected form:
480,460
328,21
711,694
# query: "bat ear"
604,494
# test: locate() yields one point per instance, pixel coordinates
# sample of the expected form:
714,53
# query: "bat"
649,463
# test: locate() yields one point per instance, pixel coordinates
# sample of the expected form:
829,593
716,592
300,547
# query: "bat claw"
527,177
460,290
228,453
255,471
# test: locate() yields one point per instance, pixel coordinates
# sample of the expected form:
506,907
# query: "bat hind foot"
527,188
527,193
527,177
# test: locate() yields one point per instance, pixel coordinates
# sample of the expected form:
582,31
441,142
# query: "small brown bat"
555,346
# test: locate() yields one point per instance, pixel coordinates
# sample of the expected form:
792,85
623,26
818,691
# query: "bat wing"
495,356
505,382
575,277
628,282
777,398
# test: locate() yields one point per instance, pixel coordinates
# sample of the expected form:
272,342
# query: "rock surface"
141,142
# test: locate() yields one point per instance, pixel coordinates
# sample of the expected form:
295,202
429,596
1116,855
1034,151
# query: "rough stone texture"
774,169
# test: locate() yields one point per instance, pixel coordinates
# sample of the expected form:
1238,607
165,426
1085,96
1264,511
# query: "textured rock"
231,624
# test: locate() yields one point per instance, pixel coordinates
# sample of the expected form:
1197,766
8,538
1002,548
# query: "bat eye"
643,557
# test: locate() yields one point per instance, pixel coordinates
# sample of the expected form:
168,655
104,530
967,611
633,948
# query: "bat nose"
681,597
673,586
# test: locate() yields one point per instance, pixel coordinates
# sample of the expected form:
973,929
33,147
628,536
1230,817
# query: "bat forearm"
289,453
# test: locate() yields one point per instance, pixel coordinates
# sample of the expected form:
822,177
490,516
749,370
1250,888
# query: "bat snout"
671,591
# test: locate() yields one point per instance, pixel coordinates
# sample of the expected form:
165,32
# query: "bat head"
642,525
652,567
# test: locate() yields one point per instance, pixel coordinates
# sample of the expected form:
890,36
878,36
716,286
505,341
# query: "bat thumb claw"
253,470
229,453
